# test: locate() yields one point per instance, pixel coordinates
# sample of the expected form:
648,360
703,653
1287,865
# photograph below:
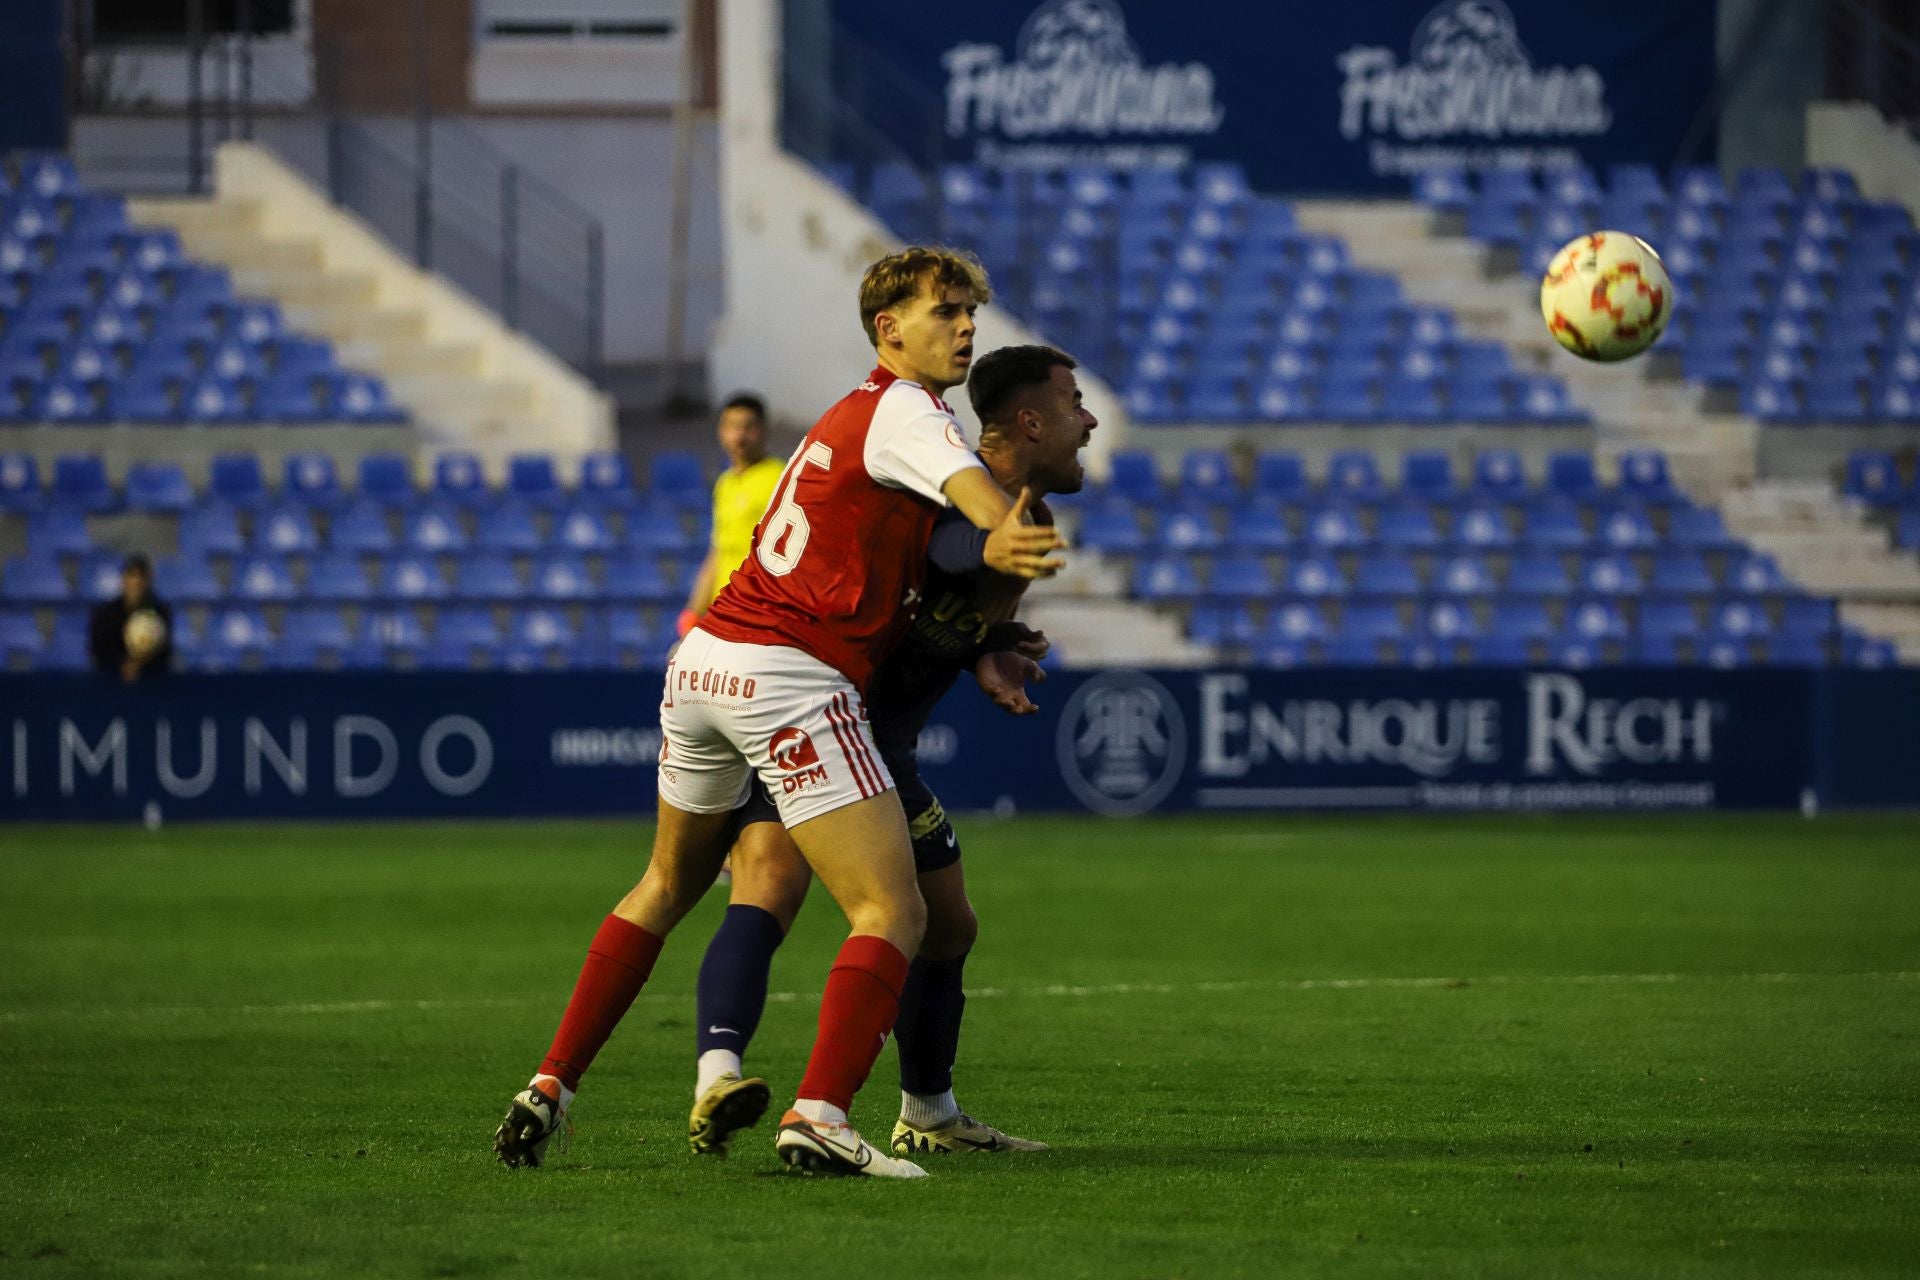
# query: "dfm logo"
793,753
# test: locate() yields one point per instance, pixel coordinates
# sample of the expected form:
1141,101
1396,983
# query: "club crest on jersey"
793,753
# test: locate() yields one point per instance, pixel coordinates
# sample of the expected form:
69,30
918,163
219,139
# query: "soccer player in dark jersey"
1033,426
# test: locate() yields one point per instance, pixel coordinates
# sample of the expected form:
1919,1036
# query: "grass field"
1532,1047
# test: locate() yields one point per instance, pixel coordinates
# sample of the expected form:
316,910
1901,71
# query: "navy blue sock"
733,978
928,1029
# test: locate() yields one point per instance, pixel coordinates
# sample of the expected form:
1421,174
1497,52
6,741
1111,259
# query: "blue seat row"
1245,576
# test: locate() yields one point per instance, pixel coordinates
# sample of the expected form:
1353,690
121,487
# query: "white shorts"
729,709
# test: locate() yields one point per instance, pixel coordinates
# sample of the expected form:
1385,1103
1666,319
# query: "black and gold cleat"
729,1105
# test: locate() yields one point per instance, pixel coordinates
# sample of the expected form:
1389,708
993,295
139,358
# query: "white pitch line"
1057,990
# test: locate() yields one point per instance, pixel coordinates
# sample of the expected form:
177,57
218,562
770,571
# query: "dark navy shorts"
934,843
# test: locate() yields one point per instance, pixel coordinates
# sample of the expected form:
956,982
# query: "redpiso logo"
793,753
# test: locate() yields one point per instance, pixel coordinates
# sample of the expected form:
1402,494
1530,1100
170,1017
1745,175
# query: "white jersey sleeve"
914,444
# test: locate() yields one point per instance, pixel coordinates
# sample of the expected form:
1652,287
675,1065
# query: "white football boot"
820,1146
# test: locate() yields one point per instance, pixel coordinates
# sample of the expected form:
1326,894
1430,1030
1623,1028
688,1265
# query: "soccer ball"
146,632
1606,296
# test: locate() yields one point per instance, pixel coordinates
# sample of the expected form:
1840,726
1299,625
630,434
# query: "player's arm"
1013,547
698,596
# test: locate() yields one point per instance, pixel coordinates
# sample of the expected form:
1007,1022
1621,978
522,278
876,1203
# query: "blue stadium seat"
1463,576
1240,576
1482,526
1643,473
660,529
1537,574
1428,475
1353,474
34,580
583,530
1371,620
1741,617
1280,475
1669,619
1698,529
1596,620
487,577
236,480
262,578
80,483
20,482
508,527
1807,617
1169,578
98,576
459,478
1132,475
1576,653
1874,478
1188,531
1610,575
1297,621
679,479
1572,475
606,481
1354,651
1408,526
158,488
1258,526
637,577
1314,576
412,578
1555,526
388,478
1499,473
1680,573
1625,530
563,577
311,478
58,532
1334,527
1385,573
1206,473
1451,620
1755,574
186,579
337,575
392,631
284,531
361,526
1222,625
531,478
240,629
1443,190
459,632
542,629
1280,654
435,530
21,643
211,530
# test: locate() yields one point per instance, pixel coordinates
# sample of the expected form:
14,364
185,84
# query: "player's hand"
1003,678
1019,549
1019,638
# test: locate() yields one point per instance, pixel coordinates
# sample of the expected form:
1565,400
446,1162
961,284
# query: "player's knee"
902,920
951,932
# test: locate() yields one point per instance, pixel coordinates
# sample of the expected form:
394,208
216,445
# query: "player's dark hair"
748,401
137,563
999,376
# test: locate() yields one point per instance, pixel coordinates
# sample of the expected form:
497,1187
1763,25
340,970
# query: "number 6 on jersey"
784,537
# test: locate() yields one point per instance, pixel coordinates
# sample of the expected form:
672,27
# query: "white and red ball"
1606,296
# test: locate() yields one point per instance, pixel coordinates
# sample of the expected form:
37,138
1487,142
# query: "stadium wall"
1855,137
795,247
1118,742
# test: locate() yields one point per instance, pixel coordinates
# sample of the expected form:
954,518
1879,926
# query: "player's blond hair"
901,276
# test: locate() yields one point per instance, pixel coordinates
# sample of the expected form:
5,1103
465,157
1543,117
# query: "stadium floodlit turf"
1261,1046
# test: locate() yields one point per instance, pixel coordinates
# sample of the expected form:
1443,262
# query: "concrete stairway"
1824,542
440,384
1708,453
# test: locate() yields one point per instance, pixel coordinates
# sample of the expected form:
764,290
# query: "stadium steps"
439,384
1709,453
1086,615
1826,542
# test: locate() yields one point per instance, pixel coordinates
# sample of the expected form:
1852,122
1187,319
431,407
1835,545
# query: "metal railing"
430,183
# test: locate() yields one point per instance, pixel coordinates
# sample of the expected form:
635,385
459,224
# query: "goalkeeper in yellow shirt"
740,498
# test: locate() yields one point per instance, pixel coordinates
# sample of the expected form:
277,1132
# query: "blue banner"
1310,97
1119,742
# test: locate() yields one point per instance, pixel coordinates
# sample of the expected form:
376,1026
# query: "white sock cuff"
929,1110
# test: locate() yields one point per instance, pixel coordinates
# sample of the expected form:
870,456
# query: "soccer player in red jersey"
1033,426
771,681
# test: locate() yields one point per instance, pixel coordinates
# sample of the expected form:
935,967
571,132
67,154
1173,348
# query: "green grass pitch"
1261,1046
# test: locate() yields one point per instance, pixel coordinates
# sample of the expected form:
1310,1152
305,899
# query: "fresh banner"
1323,97
1118,742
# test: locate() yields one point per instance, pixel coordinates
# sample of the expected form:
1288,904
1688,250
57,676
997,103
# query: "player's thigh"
768,871
687,851
862,855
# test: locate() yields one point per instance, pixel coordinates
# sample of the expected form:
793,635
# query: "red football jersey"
840,557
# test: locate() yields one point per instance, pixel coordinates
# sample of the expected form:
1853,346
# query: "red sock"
617,966
861,1001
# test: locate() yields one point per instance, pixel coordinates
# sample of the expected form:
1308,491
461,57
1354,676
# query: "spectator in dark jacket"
131,635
